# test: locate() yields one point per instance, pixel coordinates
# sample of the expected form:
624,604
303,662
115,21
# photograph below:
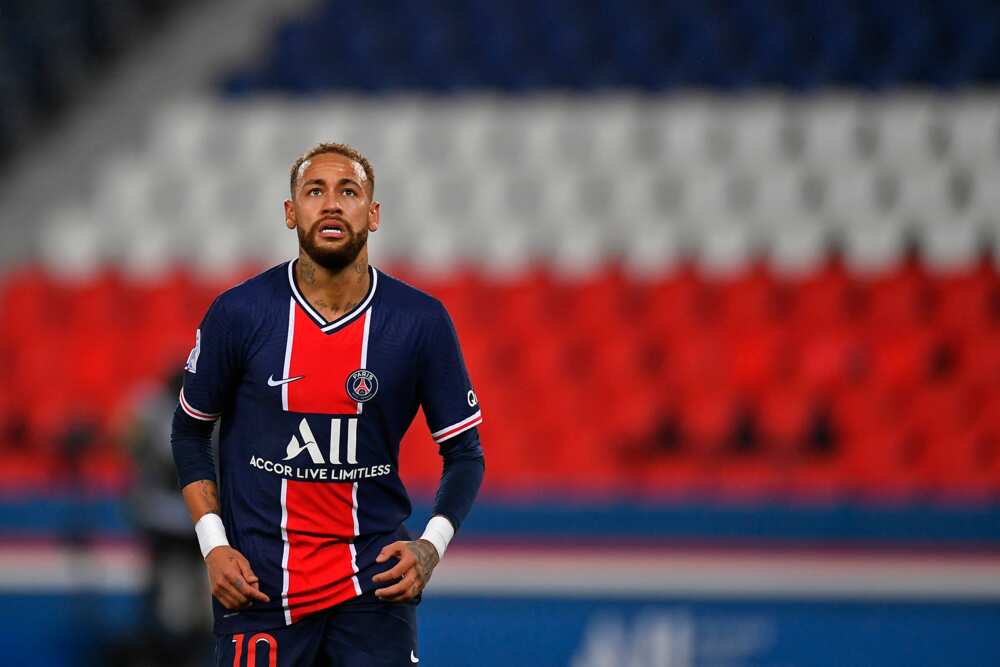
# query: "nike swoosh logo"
271,382
413,658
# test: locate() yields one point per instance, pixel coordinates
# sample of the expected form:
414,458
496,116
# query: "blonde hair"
346,150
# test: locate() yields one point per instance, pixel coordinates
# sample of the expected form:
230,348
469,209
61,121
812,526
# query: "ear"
289,214
374,216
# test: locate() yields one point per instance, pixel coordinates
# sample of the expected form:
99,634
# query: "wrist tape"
439,532
211,533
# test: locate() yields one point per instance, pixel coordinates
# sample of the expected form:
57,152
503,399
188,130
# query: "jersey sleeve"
446,395
212,367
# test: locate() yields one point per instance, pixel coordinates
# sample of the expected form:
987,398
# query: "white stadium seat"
218,253
828,128
579,253
984,190
509,252
655,252
852,190
724,247
181,130
873,245
755,131
149,254
777,192
971,124
951,246
798,247
599,130
499,181
70,245
925,193
903,128
706,192
689,132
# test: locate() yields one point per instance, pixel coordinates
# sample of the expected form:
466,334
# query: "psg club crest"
362,385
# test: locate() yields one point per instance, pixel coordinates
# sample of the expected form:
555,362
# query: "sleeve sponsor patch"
192,361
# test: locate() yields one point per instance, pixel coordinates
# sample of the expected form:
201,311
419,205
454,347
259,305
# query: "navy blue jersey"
311,416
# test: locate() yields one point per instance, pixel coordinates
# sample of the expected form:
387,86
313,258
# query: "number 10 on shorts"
255,641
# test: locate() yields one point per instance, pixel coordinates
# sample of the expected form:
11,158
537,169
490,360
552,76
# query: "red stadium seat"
965,302
748,300
979,360
899,299
575,378
707,418
820,300
875,465
900,358
745,479
784,419
674,306
825,360
757,359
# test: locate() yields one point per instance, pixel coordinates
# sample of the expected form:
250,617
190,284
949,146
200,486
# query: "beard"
333,259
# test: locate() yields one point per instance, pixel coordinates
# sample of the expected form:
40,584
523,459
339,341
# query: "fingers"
405,564
406,588
396,549
229,590
235,585
252,581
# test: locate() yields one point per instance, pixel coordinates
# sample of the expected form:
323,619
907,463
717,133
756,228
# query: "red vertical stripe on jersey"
320,515
324,361
320,530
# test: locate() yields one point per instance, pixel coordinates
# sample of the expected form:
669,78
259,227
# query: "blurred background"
726,275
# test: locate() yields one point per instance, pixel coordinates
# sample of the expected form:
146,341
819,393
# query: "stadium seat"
740,256
984,200
756,132
827,130
972,127
951,247
873,244
924,194
903,129
853,190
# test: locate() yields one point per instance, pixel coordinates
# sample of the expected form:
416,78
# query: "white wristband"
211,533
439,532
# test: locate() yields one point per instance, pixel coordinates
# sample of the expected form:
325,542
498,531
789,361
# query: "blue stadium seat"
522,46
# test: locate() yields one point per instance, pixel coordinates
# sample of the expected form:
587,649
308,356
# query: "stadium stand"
791,324
765,290
51,51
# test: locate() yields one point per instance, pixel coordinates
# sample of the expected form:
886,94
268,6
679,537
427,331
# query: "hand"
233,582
417,560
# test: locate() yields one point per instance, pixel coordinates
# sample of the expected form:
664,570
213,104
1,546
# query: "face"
331,210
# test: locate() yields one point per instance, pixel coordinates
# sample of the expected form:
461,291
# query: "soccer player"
315,369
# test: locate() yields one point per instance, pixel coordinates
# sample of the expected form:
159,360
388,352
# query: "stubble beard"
334,259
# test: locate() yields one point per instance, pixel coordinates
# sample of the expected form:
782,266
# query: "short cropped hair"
346,150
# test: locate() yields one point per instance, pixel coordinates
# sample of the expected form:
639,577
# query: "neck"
333,292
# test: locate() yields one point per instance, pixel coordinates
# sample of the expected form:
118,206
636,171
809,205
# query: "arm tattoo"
210,496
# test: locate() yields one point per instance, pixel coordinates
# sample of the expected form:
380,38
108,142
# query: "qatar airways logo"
342,441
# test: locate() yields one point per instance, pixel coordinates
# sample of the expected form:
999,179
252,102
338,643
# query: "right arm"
210,375
232,579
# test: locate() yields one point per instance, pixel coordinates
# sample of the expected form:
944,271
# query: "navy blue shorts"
364,632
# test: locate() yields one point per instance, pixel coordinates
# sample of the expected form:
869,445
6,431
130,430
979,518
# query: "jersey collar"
325,326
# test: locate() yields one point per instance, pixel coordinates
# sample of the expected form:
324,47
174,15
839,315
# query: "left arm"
461,477
452,412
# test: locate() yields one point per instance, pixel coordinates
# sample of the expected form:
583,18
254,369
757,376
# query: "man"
315,370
